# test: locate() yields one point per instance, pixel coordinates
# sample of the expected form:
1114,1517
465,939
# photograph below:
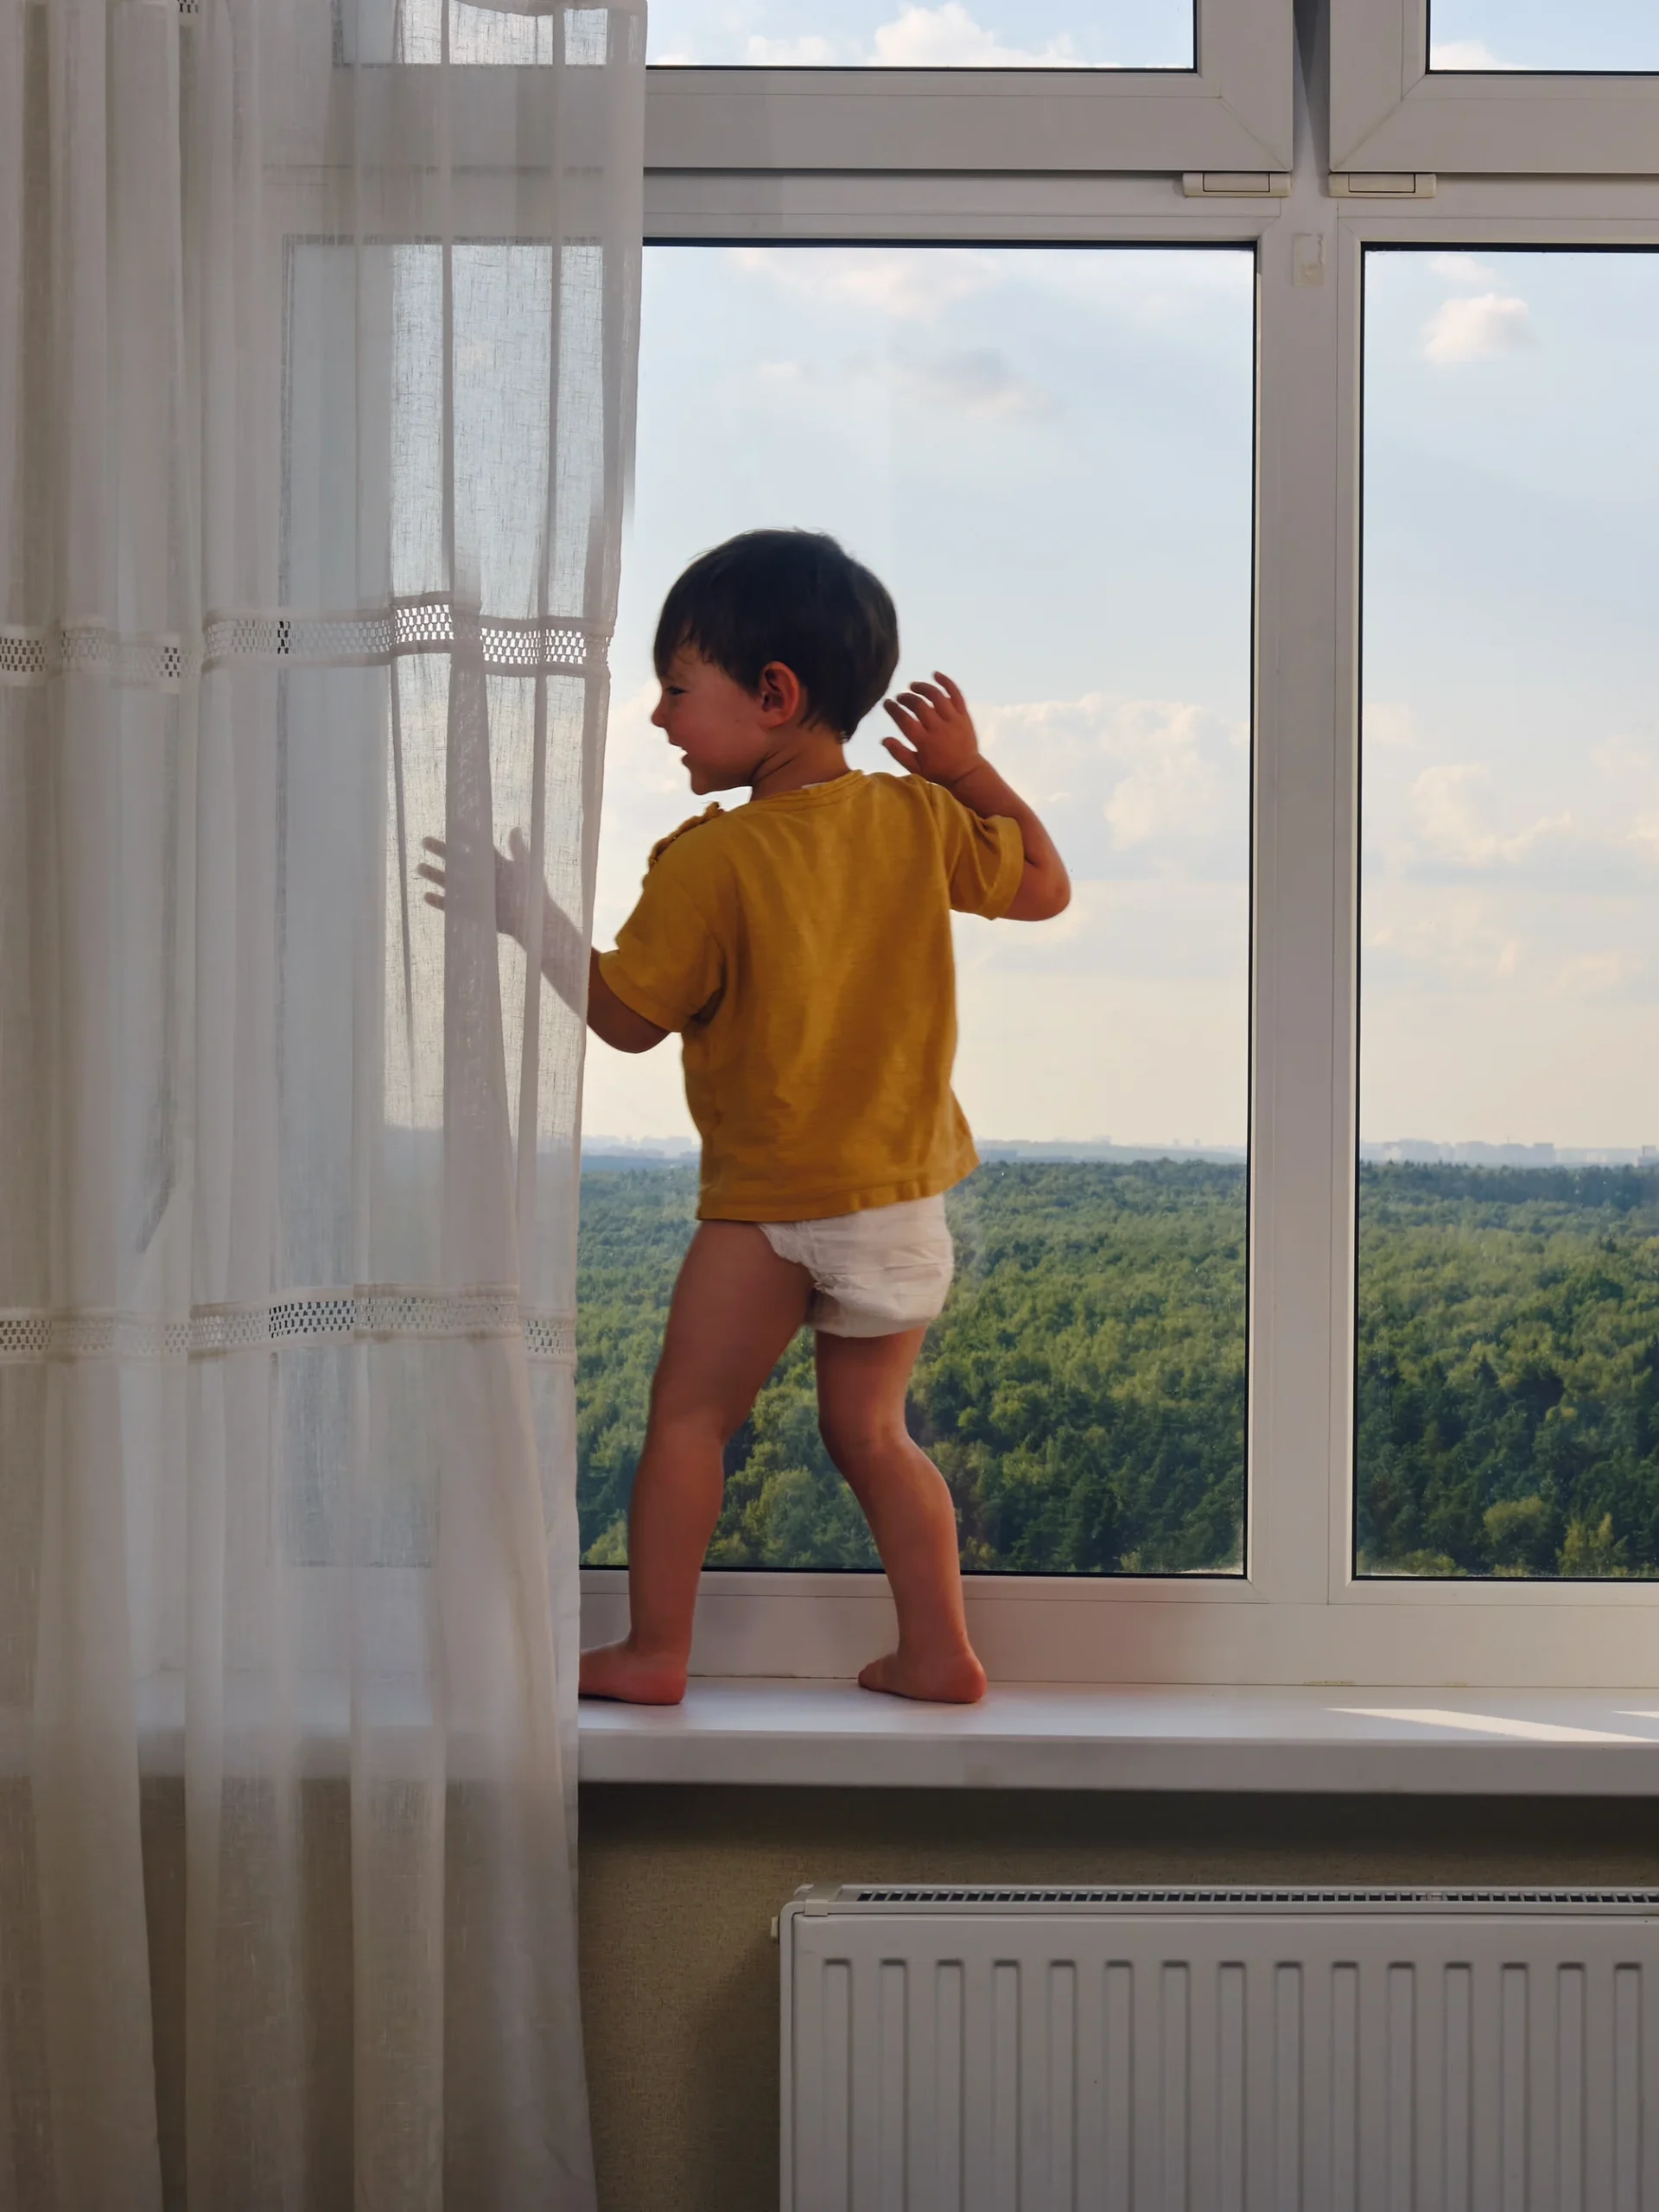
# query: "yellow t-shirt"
802,946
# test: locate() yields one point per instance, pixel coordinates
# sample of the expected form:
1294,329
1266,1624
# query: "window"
1509,1251
1543,35
1452,381
983,86
414,32
1485,87
1046,454
902,35
500,318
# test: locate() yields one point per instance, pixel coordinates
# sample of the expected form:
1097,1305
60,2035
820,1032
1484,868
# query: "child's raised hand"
515,887
944,746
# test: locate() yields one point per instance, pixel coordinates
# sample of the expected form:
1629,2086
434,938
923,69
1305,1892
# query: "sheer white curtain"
317,333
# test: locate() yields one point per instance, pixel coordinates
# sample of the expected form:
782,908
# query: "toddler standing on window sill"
801,946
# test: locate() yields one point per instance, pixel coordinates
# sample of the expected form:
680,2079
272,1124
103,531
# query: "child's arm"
614,1024
944,747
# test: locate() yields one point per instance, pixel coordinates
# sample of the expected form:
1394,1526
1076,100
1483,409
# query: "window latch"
1383,184
1236,184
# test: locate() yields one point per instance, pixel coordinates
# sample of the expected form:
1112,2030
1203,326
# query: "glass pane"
1508,1254
1564,35
1046,454
412,31
894,34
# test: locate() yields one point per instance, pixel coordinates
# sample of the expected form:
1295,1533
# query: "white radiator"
1220,2050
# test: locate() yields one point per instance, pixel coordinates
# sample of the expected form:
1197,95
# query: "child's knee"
860,1439
693,1420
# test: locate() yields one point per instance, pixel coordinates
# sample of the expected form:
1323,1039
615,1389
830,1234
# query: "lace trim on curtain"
358,638
375,1313
92,649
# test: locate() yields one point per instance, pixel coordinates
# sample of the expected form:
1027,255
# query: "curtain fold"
317,325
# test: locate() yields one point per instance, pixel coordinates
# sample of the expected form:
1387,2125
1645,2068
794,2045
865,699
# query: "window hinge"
1236,184
1383,184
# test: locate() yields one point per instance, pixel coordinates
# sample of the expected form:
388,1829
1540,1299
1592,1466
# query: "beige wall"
678,1890
679,1887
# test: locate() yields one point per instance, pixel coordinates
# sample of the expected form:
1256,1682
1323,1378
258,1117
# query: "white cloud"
1459,936
1464,54
979,382
1387,723
1596,974
1153,287
1137,786
1471,329
908,284
1171,791
944,37
949,38
1453,815
1628,795
789,53
1463,269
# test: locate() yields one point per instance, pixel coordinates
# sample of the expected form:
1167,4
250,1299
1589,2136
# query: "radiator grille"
1211,2050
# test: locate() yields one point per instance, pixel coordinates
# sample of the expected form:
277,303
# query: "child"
801,946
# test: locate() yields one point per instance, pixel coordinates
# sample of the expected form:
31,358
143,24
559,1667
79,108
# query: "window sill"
829,1734
1480,1742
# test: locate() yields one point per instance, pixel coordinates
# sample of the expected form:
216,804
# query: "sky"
1046,454
1509,960
893,34
1543,34
1602,35
1570,34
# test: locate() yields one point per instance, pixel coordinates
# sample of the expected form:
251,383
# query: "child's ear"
782,694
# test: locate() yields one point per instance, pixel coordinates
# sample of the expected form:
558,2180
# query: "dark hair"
791,595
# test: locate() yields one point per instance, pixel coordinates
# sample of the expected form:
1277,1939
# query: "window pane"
896,35
1565,34
1509,1275
412,31
1046,454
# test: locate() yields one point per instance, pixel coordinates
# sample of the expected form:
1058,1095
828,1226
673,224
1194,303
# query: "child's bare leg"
861,1385
735,1308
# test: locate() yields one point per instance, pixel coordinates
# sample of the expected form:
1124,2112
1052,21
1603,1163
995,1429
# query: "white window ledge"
1481,1743
831,1734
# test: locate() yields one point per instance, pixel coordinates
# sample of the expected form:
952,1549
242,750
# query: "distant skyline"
1468,1152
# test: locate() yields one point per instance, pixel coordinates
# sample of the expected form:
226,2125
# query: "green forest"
1084,1389
1083,1392
1508,1406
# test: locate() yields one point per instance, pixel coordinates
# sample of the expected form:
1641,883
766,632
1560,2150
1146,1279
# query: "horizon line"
1515,1151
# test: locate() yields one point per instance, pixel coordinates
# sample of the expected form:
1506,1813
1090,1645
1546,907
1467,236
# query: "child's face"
724,732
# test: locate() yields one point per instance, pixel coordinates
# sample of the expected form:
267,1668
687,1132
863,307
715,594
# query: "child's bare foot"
954,1678
633,1677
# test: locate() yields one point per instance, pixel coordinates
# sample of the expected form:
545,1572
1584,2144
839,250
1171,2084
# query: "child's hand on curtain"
516,889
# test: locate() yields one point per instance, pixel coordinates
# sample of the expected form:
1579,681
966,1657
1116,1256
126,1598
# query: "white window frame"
1297,1614
1232,112
1390,112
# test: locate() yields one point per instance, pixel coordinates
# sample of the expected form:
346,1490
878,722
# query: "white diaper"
874,1273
